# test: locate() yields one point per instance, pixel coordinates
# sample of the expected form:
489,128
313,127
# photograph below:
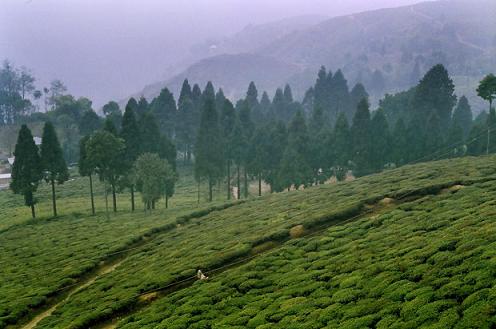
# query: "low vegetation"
409,267
222,237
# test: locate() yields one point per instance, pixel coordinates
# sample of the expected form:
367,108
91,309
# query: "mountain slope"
226,237
392,45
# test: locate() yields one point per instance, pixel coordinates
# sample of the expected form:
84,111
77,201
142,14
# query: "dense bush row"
39,257
426,264
217,238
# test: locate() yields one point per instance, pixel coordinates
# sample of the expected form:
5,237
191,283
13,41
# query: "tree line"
282,142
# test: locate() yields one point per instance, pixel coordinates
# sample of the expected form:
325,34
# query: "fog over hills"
108,49
387,50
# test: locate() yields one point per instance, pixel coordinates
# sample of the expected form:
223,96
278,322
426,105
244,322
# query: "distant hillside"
387,50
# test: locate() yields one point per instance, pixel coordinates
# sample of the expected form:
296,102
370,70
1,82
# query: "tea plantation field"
428,263
40,259
336,268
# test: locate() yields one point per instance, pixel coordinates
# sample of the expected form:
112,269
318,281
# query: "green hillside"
368,250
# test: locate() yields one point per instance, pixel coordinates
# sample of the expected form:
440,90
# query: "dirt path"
105,269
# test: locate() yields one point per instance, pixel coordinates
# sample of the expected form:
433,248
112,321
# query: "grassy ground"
429,263
221,236
38,258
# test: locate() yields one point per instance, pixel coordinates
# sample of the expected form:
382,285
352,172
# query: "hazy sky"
107,49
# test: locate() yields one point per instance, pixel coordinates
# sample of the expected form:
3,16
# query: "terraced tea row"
220,237
411,267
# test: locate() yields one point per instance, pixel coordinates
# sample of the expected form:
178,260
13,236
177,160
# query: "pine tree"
185,125
89,123
248,128
322,92
112,112
340,150
86,168
149,134
288,94
295,169
361,140
130,134
357,94
52,160
227,121
140,108
462,116
208,152
26,170
435,94
454,140
258,154
400,143
274,148
381,141
238,147
433,138
340,100
319,134
164,109
252,96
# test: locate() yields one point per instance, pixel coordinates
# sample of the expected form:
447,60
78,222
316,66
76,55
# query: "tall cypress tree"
227,121
248,128
381,141
434,94
52,160
185,125
356,95
361,140
340,100
110,127
164,109
86,168
462,116
130,134
295,170
238,147
26,170
141,107
274,148
208,152
149,134
400,143
341,148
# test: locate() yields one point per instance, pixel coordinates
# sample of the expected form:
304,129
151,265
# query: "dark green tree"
487,89
339,152
112,112
52,161
105,151
140,108
26,170
109,126
208,153
86,168
164,109
185,125
227,121
356,95
149,134
274,149
381,141
400,143
435,94
89,123
462,116
295,170
131,136
361,139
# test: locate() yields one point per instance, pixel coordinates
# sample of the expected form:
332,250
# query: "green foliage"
27,168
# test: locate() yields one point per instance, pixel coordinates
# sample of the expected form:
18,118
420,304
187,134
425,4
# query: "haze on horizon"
107,49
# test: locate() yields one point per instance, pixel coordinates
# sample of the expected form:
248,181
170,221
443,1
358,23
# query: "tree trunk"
198,192
114,199
228,180
238,192
210,185
259,184
246,184
132,197
106,201
153,204
92,198
54,202
33,213
166,202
